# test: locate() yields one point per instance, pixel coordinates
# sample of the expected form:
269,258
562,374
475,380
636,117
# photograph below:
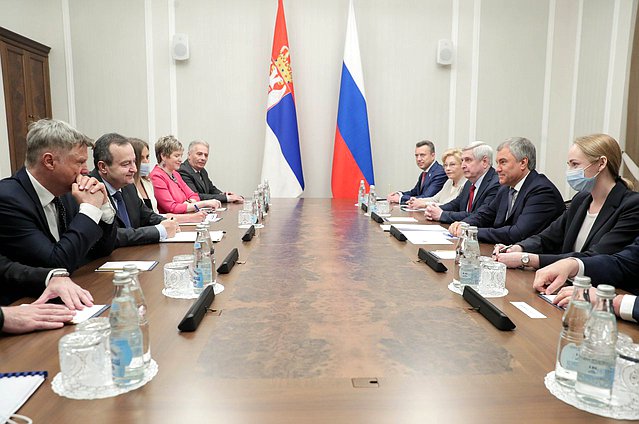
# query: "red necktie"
471,196
421,185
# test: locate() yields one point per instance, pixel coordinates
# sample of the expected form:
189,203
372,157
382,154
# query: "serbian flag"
282,165
352,160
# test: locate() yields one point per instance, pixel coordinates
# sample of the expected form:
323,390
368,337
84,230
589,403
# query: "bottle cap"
131,269
581,282
121,278
605,291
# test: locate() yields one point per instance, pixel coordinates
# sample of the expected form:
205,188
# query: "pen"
503,249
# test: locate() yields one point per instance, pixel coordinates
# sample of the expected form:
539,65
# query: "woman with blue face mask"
602,218
145,187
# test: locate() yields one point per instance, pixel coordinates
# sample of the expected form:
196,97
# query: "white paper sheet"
528,310
444,254
385,227
189,236
401,219
426,237
421,227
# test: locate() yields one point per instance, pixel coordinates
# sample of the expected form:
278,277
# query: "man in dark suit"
526,203
430,180
51,213
480,189
17,281
619,269
195,176
114,160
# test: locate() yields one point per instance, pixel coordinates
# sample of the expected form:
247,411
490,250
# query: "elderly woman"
451,159
171,192
145,188
603,216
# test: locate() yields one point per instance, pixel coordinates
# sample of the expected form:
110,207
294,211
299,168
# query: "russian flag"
282,164
352,159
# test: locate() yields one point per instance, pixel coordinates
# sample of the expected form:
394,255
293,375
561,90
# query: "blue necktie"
122,213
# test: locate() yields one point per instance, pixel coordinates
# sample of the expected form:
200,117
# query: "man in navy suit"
431,179
480,189
17,281
114,160
620,269
526,203
51,213
197,178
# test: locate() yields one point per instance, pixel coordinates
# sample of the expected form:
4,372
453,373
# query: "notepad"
119,265
88,312
16,388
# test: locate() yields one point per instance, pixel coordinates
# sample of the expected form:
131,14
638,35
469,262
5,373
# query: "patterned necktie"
471,196
511,201
122,213
62,216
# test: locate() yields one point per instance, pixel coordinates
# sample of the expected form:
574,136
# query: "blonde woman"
145,187
451,159
603,216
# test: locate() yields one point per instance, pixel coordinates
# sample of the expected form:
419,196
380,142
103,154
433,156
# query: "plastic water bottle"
202,260
572,332
207,227
469,271
597,356
127,361
372,200
267,190
258,207
461,242
362,193
140,303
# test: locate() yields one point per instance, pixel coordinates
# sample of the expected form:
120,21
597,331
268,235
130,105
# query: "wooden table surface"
324,297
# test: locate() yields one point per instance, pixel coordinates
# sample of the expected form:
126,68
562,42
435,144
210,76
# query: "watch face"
525,259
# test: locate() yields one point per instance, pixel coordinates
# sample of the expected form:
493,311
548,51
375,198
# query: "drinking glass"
84,362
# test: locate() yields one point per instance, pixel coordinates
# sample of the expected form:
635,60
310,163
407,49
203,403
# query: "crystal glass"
493,278
177,279
244,217
383,207
84,361
626,384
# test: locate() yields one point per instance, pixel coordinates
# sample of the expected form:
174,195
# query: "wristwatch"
525,259
60,273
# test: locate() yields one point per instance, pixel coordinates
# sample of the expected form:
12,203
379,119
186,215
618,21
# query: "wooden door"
25,70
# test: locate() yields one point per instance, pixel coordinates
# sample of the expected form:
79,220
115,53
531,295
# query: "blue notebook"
16,388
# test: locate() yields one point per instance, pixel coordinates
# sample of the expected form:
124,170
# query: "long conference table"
329,319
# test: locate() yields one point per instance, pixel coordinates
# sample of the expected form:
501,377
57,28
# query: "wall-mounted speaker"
445,52
180,47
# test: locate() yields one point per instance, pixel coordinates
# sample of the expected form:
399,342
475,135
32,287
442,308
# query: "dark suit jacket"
205,188
455,210
435,179
142,218
615,227
17,280
538,204
620,269
25,235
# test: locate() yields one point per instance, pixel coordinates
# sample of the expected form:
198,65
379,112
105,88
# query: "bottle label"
121,356
198,278
596,372
569,358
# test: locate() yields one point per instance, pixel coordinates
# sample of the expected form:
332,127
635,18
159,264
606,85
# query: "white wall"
549,70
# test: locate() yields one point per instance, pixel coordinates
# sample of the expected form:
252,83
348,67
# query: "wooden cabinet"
27,94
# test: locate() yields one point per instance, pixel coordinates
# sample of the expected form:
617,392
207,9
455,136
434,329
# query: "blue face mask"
578,181
145,169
